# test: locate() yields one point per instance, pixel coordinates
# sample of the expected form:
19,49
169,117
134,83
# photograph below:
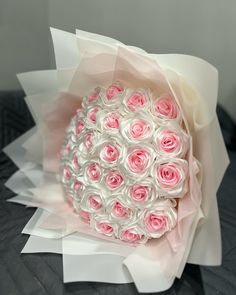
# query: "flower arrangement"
130,150
124,162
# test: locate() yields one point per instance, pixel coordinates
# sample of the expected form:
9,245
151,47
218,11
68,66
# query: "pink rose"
131,236
95,202
105,228
109,153
139,193
88,141
114,179
118,210
137,100
169,175
94,95
66,173
113,90
75,162
94,172
92,115
170,141
85,216
138,160
161,218
156,223
77,185
139,128
166,107
79,127
111,121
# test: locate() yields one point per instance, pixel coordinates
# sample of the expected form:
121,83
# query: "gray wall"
205,28
24,39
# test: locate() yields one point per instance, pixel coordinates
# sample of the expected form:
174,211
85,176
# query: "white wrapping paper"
84,256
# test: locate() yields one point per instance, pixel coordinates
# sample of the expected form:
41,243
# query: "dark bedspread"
42,273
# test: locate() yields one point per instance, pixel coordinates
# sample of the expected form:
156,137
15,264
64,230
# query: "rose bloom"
169,175
138,160
88,141
161,219
131,236
95,202
77,185
109,153
114,179
79,127
111,121
94,172
75,162
105,228
67,173
165,107
119,211
92,115
139,128
137,100
113,90
139,193
156,224
170,141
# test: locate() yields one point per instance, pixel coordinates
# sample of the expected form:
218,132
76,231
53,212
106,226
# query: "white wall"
205,28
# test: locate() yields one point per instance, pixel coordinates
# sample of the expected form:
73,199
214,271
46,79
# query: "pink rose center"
92,115
94,172
112,121
75,163
168,175
138,160
170,141
130,236
114,179
79,128
155,223
95,202
139,128
88,141
113,91
105,228
139,193
119,210
166,107
137,100
110,153
77,185
67,173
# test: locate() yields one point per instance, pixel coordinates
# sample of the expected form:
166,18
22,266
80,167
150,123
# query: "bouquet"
123,164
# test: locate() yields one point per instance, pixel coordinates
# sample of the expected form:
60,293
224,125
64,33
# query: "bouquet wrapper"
84,60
